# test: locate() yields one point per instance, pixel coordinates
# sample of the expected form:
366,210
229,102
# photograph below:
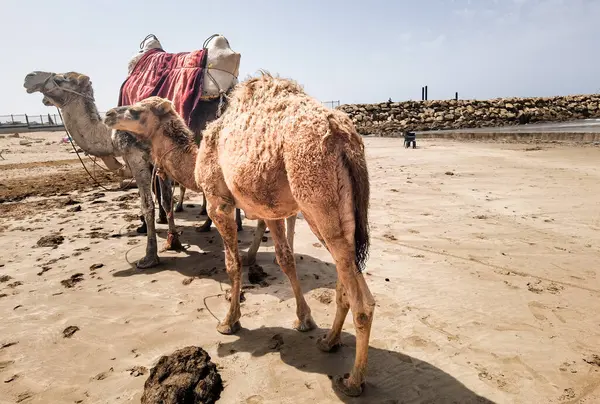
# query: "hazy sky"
348,50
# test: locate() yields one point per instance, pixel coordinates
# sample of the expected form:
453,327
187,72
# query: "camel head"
59,88
142,118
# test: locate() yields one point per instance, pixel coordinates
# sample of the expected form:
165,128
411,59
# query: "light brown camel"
275,152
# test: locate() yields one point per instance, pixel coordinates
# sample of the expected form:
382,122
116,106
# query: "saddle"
185,78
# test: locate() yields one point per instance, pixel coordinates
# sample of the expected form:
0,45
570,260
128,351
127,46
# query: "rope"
145,39
83,164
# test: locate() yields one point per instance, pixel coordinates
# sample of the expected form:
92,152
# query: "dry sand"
484,265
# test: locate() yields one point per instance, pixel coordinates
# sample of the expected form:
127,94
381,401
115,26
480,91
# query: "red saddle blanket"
174,76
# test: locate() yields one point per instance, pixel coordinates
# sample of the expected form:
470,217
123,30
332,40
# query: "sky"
346,50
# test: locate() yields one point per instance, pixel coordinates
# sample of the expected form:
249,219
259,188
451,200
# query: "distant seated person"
410,137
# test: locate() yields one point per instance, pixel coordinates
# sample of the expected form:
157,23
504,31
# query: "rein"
51,80
93,161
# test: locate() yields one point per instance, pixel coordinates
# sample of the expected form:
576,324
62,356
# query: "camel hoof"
179,208
227,329
173,243
162,220
306,325
148,262
143,229
325,346
341,384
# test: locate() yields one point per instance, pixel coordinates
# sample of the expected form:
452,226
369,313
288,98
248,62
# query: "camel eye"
135,114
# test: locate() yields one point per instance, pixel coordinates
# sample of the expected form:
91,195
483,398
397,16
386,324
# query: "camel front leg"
238,219
290,222
291,229
203,210
221,211
162,214
166,192
285,258
143,177
250,258
179,207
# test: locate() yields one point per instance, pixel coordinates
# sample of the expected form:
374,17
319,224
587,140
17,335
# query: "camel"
73,94
275,152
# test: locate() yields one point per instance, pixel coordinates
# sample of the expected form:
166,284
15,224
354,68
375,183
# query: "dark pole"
456,96
422,93
426,96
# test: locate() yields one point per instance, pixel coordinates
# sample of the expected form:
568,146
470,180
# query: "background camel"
274,152
73,93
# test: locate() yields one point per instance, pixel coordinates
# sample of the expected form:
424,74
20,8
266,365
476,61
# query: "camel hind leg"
250,257
352,293
166,199
285,258
336,208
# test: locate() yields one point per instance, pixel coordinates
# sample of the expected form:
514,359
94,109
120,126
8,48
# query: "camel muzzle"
36,80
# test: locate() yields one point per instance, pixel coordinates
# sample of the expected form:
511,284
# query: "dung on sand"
185,377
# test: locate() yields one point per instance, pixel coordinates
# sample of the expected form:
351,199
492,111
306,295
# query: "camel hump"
341,127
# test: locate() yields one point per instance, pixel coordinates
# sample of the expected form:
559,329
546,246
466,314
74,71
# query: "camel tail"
354,161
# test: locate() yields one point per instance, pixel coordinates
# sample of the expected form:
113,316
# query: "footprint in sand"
539,311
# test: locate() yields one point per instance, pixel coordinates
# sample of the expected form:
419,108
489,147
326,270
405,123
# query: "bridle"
51,79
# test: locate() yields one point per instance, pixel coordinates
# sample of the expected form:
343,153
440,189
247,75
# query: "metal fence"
331,104
30,121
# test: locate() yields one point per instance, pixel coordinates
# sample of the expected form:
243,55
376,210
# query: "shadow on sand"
392,377
209,262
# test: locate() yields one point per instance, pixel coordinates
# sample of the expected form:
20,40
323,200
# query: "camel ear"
162,108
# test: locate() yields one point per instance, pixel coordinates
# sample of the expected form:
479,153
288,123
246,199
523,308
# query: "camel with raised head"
73,94
275,152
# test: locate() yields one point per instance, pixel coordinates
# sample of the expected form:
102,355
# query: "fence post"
426,96
27,120
456,96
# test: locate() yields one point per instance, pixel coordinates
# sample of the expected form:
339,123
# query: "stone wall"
391,119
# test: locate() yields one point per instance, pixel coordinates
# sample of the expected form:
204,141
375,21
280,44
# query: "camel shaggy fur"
274,152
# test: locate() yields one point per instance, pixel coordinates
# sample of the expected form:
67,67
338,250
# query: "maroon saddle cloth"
175,76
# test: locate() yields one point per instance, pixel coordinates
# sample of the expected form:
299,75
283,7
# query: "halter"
50,79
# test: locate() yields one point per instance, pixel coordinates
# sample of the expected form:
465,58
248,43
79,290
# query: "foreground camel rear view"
274,152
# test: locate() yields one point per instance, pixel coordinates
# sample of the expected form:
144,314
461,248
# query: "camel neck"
84,124
177,161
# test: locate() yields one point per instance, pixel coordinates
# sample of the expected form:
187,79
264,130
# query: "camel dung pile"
52,240
187,376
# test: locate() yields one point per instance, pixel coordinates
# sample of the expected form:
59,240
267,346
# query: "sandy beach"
484,264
